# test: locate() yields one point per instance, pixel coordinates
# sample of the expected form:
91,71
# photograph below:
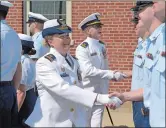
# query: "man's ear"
154,7
36,25
88,30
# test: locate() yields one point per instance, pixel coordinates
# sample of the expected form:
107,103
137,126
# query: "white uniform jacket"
91,55
58,94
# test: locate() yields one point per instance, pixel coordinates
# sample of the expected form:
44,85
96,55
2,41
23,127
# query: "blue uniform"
137,83
10,51
10,57
28,72
40,48
157,99
154,45
28,79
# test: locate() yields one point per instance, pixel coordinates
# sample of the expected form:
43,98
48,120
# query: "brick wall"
118,33
15,15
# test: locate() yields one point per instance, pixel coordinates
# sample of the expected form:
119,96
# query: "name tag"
93,54
64,75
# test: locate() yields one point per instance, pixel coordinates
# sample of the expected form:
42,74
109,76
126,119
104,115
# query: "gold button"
72,110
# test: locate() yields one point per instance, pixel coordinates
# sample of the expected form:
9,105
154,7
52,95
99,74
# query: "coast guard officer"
25,94
152,16
157,107
57,81
91,55
10,70
139,119
36,22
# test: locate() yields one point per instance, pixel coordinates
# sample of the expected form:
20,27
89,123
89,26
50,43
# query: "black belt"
5,83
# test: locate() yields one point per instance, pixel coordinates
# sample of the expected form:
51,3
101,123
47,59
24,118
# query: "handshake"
114,100
111,101
121,75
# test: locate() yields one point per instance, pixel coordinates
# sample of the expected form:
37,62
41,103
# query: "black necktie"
68,61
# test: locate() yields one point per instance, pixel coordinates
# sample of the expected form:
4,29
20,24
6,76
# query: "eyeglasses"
63,36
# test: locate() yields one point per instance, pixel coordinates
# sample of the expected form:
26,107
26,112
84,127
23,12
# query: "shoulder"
82,47
39,38
26,62
84,44
10,37
46,63
101,42
50,57
5,27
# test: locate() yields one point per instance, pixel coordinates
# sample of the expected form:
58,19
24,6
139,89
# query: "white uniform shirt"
10,51
91,56
58,94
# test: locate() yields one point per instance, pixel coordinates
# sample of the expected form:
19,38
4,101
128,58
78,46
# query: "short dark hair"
3,14
28,50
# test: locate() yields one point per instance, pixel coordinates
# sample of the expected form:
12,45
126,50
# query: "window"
49,8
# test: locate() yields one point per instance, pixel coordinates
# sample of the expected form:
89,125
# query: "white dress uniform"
150,60
91,55
40,48
157,99
58,93
56,82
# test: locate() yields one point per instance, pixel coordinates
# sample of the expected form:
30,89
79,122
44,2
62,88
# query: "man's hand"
127,74
21,94
116,94
104,99
121,75
118,76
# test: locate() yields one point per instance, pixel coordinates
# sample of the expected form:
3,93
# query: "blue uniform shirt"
28,72
154,44
157,98
10,51
40,48
138,62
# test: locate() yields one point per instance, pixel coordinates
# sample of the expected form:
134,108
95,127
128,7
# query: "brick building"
118,31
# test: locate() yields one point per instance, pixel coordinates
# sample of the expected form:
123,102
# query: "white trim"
28,10
68,13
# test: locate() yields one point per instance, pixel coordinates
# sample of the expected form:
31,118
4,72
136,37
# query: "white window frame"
68,14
